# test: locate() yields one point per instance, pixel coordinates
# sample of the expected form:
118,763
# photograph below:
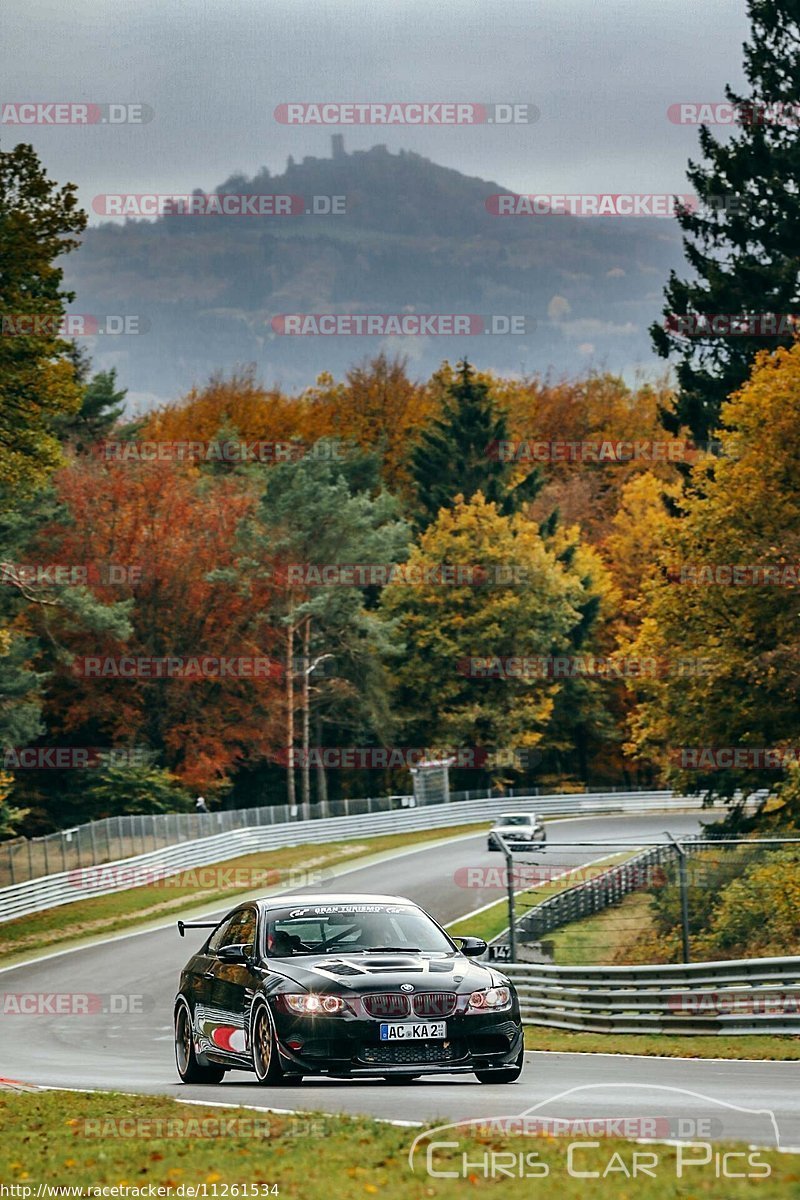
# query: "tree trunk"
322,779
290,792
305,766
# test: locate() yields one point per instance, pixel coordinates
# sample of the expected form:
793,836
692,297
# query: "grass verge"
81,1141
493,920
204,886
762,1046
601,937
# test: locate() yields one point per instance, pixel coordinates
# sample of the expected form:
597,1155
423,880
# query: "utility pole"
290,789
512,916
684,896
305,775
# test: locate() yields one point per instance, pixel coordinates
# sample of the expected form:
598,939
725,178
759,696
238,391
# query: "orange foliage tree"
237,406
172,530
602,411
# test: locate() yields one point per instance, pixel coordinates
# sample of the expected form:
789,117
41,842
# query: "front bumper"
350,1046
537,841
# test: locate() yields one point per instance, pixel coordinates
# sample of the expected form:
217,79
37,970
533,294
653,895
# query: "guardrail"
606,888
66,887
757,995
112,838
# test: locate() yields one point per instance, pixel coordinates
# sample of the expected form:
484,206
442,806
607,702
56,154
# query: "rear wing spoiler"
184,925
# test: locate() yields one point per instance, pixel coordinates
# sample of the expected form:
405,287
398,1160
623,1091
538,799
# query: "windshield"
515,819
351,928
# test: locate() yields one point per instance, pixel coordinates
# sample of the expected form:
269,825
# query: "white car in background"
521,831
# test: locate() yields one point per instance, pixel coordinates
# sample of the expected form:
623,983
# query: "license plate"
406,1031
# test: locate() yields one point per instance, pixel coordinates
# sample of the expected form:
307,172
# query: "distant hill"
415,237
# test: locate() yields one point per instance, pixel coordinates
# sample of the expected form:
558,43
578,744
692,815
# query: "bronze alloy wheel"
183,1039
266,1062
189,1069
262,1044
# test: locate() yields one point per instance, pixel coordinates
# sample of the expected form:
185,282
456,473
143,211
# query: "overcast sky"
601,72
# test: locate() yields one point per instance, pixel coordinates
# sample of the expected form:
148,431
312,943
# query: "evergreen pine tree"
102,405
459,453
743,240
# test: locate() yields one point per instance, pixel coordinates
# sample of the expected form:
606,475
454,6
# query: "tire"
189,1069
400,1078
503,1074
266,1062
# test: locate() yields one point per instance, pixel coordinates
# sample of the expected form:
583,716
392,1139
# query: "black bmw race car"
342,985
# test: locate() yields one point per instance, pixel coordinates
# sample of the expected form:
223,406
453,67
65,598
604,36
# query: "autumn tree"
161,539
522,602
589,437
583,733
318,512
19,722
238,404
741,512
38,224
377,408
122,786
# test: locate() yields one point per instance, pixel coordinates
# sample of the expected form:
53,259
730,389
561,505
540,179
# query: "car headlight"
308,1004
491,998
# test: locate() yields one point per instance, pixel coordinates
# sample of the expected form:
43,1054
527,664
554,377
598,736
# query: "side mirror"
471,947
235,954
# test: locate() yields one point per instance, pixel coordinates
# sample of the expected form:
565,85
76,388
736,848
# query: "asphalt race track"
133,1051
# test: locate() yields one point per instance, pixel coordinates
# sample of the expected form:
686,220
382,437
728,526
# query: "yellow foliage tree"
741,511
528,605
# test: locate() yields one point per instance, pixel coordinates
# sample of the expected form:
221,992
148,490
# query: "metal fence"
122,837
606,888
90,880
760,995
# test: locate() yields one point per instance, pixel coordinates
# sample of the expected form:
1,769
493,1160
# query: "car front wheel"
266,1062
